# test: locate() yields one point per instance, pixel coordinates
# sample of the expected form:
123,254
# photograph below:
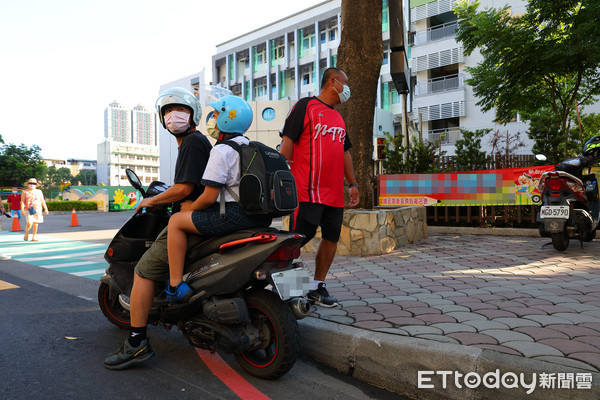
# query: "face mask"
177,122
211,127
14,192
32,186
345,94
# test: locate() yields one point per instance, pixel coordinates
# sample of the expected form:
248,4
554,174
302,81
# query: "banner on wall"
510,186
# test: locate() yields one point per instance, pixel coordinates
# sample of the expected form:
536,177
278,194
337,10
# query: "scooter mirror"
134,180
540,157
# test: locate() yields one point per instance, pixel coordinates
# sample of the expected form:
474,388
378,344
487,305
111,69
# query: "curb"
462,230
392,362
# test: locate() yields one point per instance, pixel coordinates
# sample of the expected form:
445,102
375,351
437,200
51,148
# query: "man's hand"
144,203
187,205
354,196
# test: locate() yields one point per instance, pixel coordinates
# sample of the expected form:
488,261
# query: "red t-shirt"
320,140
15,201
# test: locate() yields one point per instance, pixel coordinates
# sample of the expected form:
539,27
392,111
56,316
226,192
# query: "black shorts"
309,216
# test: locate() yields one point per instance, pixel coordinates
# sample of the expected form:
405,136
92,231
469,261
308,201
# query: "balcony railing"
434,33
446,135
441,84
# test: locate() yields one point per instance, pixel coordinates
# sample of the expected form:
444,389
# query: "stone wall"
374,232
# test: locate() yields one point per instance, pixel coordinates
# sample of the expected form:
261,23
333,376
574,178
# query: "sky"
63,61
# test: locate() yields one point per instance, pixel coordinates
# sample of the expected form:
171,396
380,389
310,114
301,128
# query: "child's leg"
179,225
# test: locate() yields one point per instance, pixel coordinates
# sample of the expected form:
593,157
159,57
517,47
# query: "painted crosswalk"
69,256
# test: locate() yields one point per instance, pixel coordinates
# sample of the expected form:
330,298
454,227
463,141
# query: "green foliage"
538,64
87,178
70,205
19,163
422,156
469,156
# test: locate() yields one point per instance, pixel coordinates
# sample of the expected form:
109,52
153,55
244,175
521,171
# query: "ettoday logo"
509,380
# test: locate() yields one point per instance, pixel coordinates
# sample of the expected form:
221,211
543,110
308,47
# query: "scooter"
248,292
570,203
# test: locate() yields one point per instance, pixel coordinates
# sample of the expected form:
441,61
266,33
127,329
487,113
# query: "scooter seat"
204,247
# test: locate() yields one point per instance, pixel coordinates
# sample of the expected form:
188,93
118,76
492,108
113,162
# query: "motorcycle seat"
204,247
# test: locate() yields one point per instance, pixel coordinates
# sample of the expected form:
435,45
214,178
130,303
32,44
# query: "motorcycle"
248,292
570,203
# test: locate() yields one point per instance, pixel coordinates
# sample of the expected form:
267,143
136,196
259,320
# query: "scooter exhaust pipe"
300,307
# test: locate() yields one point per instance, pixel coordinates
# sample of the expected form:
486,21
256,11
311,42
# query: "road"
54,336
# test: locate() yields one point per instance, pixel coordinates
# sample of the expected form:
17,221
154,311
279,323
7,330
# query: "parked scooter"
233,308
570,202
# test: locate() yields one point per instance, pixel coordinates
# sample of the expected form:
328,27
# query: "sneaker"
4,257
321,297
182,293
128,355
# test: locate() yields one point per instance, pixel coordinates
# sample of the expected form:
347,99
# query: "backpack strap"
234,145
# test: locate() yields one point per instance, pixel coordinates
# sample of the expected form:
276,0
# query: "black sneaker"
321,297
128,355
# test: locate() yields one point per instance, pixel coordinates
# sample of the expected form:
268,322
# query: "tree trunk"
360,55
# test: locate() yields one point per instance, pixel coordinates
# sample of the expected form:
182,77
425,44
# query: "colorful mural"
512,186
109,198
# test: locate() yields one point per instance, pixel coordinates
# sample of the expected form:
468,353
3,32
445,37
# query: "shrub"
70,205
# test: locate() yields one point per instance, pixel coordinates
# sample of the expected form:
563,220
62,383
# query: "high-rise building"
144,126
131,141
117,123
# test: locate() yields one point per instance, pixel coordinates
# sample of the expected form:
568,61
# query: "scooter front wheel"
560,241
279,333
108,300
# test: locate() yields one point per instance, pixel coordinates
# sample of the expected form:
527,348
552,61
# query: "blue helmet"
235,114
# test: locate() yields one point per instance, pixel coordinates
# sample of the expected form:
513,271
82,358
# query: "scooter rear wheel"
588,237
111,308
280,334
560,241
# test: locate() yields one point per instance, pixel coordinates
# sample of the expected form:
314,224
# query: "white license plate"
292,283
554,212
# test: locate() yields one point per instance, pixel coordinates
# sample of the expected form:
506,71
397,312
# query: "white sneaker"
4,257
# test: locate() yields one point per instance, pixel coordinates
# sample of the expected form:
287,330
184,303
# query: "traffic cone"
16,226
74,221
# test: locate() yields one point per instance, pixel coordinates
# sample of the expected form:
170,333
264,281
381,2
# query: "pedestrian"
2,212
32,203
230,119
179,112
316,144
14,200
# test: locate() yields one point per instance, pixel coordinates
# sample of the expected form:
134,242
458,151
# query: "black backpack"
267,187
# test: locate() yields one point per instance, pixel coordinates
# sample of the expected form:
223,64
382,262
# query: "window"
323,37
306,79
268,114
332,34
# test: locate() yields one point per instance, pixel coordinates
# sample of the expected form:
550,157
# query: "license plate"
292,283
554,212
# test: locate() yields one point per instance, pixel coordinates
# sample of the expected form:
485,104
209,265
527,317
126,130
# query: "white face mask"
32,186
211,127
177,122
14,192
345,94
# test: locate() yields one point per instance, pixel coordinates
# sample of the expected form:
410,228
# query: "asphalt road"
54,338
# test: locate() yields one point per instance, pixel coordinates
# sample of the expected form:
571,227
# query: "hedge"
67,206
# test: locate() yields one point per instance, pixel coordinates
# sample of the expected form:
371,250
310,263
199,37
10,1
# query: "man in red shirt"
15,203
317,147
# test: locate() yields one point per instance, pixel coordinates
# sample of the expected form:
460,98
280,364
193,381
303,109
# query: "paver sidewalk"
506,294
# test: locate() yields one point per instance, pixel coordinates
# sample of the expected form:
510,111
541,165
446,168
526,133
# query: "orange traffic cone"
16,225
74,221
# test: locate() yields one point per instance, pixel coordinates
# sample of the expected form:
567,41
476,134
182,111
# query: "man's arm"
287,148
175,193
349,174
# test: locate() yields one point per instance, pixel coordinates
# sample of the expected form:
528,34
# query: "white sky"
63,61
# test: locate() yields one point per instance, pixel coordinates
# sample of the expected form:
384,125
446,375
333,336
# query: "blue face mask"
345,93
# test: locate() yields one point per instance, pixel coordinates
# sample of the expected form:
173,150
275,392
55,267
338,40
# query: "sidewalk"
467,303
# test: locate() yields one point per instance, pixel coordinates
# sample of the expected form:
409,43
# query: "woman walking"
32,202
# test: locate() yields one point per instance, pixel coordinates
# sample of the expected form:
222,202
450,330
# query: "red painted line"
229,377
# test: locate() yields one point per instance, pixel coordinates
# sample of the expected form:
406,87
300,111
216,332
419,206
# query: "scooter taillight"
577,190
554,184
284,254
